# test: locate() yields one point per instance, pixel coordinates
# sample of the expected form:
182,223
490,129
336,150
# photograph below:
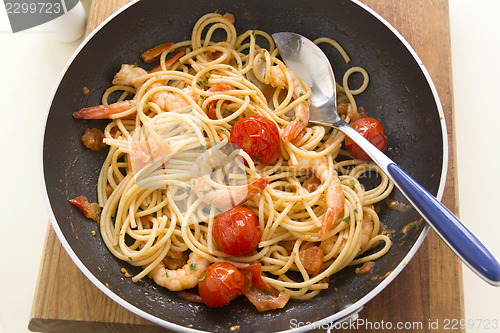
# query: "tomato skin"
220,283
259,137
254,273
237,231
373,131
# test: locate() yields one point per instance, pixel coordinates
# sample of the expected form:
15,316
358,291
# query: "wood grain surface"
429,288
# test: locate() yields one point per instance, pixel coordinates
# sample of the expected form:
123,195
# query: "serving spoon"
307,60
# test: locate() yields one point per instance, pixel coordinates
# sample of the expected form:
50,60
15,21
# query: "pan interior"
398,95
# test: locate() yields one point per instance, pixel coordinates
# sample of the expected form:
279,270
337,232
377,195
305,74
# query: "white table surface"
31,62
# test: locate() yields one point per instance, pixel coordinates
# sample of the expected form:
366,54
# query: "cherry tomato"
259,137
220,283
237,231
373,131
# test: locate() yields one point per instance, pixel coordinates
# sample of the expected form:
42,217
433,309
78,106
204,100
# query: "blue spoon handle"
458,237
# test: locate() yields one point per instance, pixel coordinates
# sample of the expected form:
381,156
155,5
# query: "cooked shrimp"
155,52
366,230
301,118
168,101
222,86
223,198
127,76
328,244
104,111
170,62
147,151
367,226
186,277
334,195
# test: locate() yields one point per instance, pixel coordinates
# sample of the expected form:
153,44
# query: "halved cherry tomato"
237,231
259,137
373,131
220,283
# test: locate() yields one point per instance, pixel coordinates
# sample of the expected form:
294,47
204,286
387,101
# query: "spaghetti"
175,127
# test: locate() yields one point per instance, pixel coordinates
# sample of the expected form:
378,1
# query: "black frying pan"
400,95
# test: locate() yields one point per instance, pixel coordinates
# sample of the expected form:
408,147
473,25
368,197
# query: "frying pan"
401,95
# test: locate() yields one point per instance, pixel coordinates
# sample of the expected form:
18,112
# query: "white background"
30,63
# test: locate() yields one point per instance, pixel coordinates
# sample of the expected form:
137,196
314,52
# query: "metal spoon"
307,60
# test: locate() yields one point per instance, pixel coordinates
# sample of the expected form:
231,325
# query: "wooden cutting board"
428,290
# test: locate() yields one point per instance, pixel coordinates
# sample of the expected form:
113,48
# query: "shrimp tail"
328,222
224,199
104,111
170,62
302,116
155,52
292,130
298,124
255,188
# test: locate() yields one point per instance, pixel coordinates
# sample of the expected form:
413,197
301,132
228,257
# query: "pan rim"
345,314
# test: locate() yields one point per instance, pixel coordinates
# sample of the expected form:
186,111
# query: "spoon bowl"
307,60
